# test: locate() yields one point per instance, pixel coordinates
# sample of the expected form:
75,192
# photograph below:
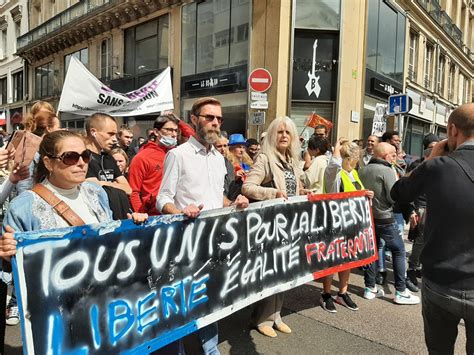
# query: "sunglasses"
71,158
221,146
211,118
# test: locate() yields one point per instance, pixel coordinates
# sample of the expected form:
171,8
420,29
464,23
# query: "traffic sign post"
397,105
260,80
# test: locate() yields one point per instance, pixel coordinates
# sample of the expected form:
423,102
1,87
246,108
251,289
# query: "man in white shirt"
193,180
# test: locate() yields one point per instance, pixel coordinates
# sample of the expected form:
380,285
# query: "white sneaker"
13,317
405,297
371,293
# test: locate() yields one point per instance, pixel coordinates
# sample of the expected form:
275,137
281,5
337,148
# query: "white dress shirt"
192,175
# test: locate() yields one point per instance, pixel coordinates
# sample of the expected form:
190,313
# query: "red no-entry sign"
260,80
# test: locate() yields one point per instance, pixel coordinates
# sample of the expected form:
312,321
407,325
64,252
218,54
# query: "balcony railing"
457,34
411,74
74,12
433,8
427,82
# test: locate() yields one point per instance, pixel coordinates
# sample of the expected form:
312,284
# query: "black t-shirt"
103,167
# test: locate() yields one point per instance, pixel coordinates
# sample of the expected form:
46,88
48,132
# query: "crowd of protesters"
184,168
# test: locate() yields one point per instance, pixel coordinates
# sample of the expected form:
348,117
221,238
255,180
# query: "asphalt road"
379,327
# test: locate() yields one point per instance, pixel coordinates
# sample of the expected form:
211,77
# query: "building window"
214,35
385,40
452,72
82,55
440,75
146,47
413,56
243,32
463,89
17,79
3,91
106,59
428,66
4,44
44,77
321,14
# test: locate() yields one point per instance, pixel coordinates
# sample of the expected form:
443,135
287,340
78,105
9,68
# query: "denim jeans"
389,233
381,251
209,338
442,310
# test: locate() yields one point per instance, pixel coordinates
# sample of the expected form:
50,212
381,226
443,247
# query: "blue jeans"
209,338
381,252
389,233
400,222
442,310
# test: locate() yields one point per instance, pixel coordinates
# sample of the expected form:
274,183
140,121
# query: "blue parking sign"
399,104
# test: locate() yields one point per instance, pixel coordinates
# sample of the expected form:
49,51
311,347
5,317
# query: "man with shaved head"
446,177
380,177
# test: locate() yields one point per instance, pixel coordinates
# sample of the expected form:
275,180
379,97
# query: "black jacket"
448,183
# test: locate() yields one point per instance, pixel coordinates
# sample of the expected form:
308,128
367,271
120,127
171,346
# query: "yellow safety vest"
347,184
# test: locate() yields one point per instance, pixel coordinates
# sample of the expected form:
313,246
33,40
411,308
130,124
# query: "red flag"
314,120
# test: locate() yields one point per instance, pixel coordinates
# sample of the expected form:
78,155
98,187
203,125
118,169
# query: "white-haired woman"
341,176
275,174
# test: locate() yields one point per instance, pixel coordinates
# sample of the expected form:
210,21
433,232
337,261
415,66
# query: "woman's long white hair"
269,146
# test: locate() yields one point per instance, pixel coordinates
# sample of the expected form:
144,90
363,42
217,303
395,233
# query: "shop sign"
211,82
385,88
315,59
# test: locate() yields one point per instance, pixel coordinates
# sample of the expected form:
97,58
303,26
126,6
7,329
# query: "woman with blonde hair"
341,176
122,160
275,174
40,121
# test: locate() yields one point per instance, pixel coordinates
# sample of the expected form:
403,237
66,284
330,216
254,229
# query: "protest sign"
84,94
126,288
379,124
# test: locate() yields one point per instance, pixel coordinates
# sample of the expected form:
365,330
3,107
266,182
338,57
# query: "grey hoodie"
379,177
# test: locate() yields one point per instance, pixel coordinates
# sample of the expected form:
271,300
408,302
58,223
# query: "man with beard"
193,180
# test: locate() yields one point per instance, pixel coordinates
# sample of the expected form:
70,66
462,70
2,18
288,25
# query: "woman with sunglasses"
62,170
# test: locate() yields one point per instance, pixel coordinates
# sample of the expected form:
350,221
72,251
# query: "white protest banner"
84,94
379,125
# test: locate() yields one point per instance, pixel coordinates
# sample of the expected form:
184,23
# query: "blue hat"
237,138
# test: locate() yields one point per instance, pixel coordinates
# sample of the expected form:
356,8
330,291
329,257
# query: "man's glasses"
221,146
211,118
71,158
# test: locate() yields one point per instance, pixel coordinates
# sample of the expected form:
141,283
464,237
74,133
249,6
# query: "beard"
208,135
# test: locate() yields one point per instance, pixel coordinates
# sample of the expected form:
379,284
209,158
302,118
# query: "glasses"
170,130
211,118
71,158
221,145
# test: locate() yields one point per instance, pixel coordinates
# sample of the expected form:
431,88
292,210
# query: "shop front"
314,82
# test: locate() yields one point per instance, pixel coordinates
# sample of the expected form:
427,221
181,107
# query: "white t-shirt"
75,200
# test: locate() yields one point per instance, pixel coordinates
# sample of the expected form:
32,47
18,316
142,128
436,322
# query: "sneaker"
405,297
327,303
12,316
345,300
411,286
371,293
